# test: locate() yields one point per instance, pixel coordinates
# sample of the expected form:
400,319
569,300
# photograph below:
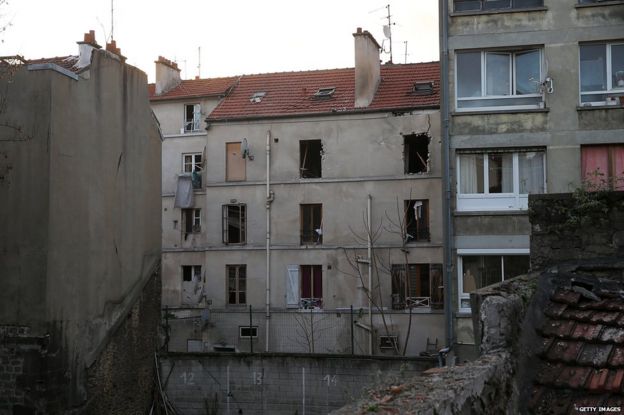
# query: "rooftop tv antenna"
112,20
387,29
405,42
199,61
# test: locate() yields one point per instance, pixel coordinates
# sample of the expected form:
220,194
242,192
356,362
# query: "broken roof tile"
613,335
586,331
576,314
564,350
604,317
557,328
598,380
595,355
565,296
617,357
614,382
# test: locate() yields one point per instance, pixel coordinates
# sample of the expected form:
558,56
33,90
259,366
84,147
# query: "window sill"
498,11
510,212
508,111
599,107
602,3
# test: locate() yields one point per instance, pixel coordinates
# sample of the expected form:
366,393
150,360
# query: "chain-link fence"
341,331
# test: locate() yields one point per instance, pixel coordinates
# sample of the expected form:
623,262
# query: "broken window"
234,224
191,273
191,221
416,153
311,295
237,283
192,163
192,116
310,154
603,167
421,286
311,223
235,162
416,219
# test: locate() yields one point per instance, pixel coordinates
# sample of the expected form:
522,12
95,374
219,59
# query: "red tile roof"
194,88
292,93
66,62
581,352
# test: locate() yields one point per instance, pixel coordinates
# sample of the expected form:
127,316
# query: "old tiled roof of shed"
293,93
66,62
195,88
581,351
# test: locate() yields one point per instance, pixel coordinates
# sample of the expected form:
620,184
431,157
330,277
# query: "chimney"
167,75
112,48
367,67
85,48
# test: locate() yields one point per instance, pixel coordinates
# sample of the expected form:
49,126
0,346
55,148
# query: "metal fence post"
250,329
352,344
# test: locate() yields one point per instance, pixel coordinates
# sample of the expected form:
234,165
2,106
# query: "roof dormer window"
257,97
423,88
325,92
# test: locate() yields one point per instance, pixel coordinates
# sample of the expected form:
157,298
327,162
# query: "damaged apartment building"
536,97
301,211
80,225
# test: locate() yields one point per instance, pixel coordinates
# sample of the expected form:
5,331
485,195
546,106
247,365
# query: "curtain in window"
498,73
593,68
595,166
527,72
617,66
471,173
618,167
500,172
531,172
469,74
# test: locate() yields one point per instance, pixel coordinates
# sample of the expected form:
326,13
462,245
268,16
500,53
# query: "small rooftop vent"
257,97
423,88
325,92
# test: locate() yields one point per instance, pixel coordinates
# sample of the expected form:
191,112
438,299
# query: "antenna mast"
112,20
405,50
389,31
199,61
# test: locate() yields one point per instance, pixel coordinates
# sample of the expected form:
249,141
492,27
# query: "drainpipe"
269,200
446,151
370,278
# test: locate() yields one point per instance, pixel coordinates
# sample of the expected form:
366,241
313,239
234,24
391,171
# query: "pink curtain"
618,167
595,166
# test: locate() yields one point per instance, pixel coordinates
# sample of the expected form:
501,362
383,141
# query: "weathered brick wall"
121,381
275,383
575,226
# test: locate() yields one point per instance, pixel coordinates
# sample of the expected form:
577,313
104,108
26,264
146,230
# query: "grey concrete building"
534,105
80,248
269,182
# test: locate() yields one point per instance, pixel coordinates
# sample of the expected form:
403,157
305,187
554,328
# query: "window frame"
483,9
195,220
305,145
237,291
195,123
512,81
486,201
410,144
423,231
315,238
610,90
193,269
310,303
242,217
404,301
481,252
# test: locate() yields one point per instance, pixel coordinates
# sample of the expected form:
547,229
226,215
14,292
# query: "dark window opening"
248,331
234,224
310,155
192,116
416,219
237,283
191,272
311,286
421,286
416,153
389,342
423,88
191,221
311,224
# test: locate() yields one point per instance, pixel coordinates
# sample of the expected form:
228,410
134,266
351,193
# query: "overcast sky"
235,36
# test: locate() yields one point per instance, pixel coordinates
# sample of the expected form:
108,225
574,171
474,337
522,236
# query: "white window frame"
196,273
194,164
195,123
482,252
512,81
475,202
611,90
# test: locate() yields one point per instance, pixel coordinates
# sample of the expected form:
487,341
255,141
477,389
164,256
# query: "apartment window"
310,155
479,5
416,153
499,79
420,286
236,284
192,116
603,166
416,220
191,221
191,273
499,179
311,294
602,72
245,332
311,224
234,224
478,271
192,163
235,162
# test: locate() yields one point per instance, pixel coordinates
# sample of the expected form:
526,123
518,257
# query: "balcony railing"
311,303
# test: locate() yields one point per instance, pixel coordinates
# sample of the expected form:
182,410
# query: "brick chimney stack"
112,48
85,48
367,67
167,75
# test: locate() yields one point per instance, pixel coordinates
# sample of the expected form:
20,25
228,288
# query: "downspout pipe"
370,274
269,200
446,177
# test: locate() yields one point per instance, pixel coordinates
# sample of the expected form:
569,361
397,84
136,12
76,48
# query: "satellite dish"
386,31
